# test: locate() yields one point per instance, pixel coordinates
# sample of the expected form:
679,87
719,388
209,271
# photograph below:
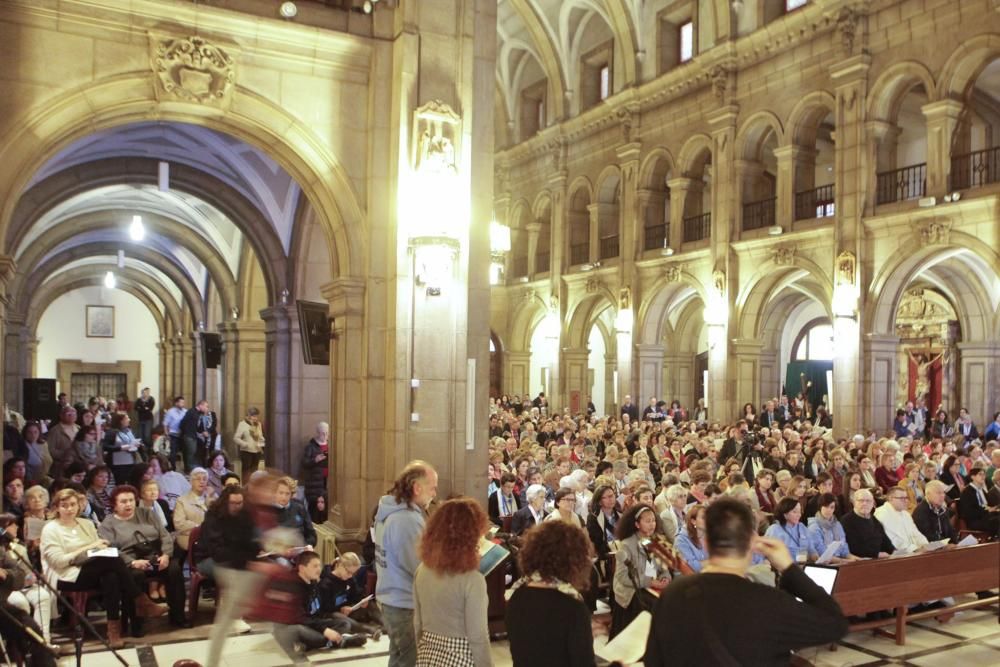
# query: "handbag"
144,549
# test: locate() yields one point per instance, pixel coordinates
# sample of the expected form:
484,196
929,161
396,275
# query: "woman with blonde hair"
447,580
339,585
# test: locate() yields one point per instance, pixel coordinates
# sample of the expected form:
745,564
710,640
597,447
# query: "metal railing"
579,253
608,247
542,262
901,184
759,214
698,227
518,267
815,203
972,170
654,237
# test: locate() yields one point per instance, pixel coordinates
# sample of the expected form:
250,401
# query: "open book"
490,555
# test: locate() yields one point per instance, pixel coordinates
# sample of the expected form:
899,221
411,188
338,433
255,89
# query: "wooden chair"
197,578
79,600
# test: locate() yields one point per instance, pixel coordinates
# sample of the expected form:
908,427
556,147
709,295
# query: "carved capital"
192,69
720,79
783,255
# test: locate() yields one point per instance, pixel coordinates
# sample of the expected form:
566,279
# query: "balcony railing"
542,262
971,170
579,253
901,184
518,267
654,237
815,203
759,214
698,227
608,247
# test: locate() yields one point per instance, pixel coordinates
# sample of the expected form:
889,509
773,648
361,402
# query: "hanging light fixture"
109,280
136,230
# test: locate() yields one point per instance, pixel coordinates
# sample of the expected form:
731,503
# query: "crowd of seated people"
866,496
87,482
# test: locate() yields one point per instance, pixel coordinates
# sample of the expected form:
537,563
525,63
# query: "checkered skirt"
434,650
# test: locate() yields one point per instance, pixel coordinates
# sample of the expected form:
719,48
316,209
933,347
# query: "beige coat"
249,438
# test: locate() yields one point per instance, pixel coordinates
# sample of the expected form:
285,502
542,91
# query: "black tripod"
81,618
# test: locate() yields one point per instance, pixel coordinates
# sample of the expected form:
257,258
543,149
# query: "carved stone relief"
192,69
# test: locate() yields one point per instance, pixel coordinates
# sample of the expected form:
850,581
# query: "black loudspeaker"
212,349
40,399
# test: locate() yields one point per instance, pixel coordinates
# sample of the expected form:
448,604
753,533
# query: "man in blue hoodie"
399,523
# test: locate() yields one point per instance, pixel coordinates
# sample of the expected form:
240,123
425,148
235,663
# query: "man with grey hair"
931,514
533,513
865,536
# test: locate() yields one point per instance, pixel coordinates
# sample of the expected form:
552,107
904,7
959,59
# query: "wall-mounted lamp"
499,247
136,231
590,266
434,259
109,280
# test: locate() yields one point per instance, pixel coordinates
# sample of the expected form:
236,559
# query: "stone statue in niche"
436,127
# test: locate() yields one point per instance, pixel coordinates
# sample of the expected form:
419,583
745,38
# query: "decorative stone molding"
527,294
628,120
594,285
557,153
720,79
554,302
936,232
672,273
624,298
783,255
719,281
192,69
437,129
846,268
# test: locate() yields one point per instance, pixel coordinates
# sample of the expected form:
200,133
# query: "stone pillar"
942,117
725,182
30,355
879,354
770,374
243,377
679,378
630,220
198,366
979,369
796,173
7,268
13,363
177,366
650,372
532,230
680,190
575,363
610,367
277,337
746,357
187,370
747,175
355,464
558,229
515,371
595,212
167,389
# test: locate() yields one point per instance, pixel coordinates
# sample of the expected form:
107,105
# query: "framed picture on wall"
100,321
314,327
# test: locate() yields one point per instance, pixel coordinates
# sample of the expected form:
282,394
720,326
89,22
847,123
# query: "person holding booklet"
342,596
825,531
898,525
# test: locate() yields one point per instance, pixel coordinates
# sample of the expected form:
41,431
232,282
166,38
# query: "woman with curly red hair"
447,580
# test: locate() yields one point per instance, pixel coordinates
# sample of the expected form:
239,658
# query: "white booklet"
934,546
361,602
630,644
829,552
968,541
107,552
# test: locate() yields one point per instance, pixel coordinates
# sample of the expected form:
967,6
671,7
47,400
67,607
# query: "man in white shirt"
898,523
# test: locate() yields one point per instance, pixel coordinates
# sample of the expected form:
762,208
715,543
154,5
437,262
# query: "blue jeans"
402,639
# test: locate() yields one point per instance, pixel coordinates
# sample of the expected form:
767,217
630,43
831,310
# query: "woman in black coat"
314,468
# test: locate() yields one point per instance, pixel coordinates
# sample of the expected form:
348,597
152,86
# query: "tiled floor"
971,638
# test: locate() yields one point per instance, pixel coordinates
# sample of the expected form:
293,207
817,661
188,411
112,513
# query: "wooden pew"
894,583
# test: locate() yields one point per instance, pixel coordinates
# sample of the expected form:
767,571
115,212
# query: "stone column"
879,354
942,117
796,173
13,363
167,388
30,355
630,220
180,387
575,363
726,209
277,337
979,368
353,468
243,376
558,229
680,190
7,267
515,371
198,366
610,366
650,372
595,211
532,230
187,373
746,357
770,374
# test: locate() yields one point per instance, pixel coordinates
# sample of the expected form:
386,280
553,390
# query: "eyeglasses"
897,497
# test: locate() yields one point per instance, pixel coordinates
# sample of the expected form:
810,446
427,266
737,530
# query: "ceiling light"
367,6
109,280
775,230
288,10
136,231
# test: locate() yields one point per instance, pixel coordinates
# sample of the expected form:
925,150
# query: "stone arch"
978,314
753,132
193,299
583,315
694,154
608,183
548,53
893,84
659,300
542,203
524,319
578,184
768,282
75,180
70,228
690,322
51,291
55,123
655,166
806,116
965,64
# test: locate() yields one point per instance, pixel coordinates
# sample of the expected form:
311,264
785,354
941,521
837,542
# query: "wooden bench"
896,583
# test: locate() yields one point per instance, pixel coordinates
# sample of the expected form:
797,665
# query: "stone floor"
971,638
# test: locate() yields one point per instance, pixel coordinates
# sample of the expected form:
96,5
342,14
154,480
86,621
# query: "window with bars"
85,385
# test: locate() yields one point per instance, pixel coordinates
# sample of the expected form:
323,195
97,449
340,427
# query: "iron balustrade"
759,214
901,184
654,237
608,247
972,170
579,253
815,203
698,227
